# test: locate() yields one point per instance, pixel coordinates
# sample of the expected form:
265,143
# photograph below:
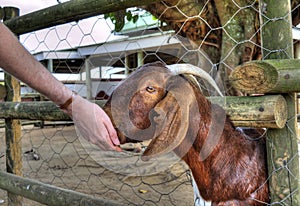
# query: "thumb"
112,132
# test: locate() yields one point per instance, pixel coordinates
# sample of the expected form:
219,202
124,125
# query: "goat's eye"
150,89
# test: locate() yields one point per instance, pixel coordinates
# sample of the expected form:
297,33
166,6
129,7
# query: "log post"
260,112
282,145
267,76
13,126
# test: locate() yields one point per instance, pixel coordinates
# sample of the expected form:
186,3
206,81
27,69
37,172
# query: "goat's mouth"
160,124
170,133
130,132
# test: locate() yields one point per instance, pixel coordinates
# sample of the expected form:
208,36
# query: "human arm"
91,121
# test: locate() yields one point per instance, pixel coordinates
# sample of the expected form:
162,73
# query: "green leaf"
129,16
135,18
106,16
154,17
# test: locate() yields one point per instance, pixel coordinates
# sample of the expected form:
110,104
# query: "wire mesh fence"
93,55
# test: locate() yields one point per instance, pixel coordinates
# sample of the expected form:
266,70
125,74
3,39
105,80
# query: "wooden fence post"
282,146
13,126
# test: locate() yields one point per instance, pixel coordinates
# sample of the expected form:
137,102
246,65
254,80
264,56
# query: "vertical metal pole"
88,80
13,127
282,144
127,66
50,65
140,58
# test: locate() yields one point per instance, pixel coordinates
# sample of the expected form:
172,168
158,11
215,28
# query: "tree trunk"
227,31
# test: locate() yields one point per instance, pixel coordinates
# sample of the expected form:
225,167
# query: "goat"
153,103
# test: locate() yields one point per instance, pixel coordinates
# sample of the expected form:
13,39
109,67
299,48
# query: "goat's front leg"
238,203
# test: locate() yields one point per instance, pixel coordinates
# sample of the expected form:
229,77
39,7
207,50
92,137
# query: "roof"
143,35
104,54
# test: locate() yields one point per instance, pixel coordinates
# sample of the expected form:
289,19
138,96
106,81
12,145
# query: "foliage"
118,18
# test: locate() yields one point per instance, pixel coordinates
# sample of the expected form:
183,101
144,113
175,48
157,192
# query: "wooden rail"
259,111
70,11
48,194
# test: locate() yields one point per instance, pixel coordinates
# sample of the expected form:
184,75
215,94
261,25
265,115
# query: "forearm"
91,121
17,61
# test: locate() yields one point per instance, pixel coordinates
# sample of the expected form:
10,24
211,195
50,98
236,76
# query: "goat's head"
153,103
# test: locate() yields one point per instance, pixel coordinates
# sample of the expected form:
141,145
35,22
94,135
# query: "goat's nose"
158,115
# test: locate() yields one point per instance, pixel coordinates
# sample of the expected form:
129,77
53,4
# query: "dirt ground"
66,161
69,162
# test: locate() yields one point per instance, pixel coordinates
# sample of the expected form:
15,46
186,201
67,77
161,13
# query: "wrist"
67,105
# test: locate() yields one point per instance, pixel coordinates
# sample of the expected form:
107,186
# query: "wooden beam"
267,76
74,10
258,111
48,194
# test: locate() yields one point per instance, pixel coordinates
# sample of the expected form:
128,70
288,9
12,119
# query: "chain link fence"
91,56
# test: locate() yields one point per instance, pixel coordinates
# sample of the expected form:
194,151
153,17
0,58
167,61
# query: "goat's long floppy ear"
173,114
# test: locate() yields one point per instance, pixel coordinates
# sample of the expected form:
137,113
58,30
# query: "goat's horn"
191,69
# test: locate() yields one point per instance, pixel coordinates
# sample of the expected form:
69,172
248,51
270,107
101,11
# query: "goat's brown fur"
234,173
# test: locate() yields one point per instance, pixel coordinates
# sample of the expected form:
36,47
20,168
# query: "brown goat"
153,103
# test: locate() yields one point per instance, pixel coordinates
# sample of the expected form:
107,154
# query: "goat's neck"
198,164
201,169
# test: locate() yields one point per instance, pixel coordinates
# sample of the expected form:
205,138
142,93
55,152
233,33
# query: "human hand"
93,124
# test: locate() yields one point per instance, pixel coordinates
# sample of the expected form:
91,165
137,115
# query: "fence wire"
52,151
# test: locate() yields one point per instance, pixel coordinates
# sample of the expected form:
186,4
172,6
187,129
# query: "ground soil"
68,162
